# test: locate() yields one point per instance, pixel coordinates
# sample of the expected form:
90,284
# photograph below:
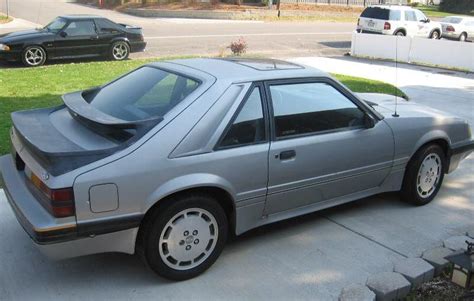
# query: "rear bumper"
62,238
458,153
137,46
37,222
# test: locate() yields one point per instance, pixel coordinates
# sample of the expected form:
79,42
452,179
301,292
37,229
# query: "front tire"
424,175
185,237
435,35
119,51
33,56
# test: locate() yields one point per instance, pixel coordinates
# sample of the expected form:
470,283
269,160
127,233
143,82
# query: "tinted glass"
395,15
143,94
249,126
410,16
312,107
376,13
80,28
56,25
104,25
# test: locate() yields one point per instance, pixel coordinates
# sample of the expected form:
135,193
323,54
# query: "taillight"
387,26
450,28
60,201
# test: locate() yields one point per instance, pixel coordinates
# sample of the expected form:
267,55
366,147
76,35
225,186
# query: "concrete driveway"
310,257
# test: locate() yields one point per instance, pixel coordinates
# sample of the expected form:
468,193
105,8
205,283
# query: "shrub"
457,6
238,47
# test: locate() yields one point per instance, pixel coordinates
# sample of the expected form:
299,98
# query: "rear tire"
184,237
400,33
33,56
119,51
424,175
463,37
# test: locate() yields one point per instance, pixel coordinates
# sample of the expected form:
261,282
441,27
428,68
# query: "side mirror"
427,21
63,34
369,121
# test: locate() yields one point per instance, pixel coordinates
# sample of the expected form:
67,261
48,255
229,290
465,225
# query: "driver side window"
306,108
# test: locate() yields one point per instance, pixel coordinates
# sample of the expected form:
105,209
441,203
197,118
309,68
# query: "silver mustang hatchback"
170,158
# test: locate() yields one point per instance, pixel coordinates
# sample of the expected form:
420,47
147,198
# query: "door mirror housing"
369,121
63,34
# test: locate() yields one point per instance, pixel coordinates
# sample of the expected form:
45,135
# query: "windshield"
56,25
145,93
453,20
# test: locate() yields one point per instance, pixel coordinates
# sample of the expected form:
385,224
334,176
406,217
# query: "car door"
423,25
411,23
107,32
78,38
321,148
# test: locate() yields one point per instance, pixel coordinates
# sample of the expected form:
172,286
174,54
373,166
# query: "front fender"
188,182
430,136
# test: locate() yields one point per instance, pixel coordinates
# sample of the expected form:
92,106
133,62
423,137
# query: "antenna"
395,114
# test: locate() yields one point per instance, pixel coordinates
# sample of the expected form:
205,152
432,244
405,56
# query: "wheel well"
34,45
223,197
400,29
441,142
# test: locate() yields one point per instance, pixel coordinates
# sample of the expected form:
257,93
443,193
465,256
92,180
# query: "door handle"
286,155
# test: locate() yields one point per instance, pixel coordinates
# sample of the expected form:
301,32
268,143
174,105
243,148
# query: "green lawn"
4,19
28,88
433,11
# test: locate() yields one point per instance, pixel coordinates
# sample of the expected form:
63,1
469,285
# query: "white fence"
442,53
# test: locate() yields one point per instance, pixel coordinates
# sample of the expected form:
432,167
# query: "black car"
72,36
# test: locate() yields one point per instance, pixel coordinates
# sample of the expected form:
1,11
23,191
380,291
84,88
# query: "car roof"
81,17
246,69
397,7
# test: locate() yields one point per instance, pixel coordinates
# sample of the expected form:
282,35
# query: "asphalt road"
205,37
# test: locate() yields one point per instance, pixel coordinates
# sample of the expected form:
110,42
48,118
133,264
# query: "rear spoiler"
83,112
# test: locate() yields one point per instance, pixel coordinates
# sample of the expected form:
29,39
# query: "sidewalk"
17,24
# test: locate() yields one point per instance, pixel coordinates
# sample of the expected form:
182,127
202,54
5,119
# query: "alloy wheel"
34,56
188,239
428,175
120,51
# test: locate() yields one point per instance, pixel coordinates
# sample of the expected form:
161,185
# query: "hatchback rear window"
145,93
381,14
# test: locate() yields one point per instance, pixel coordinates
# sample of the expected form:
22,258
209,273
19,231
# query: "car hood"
385,104
23,34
